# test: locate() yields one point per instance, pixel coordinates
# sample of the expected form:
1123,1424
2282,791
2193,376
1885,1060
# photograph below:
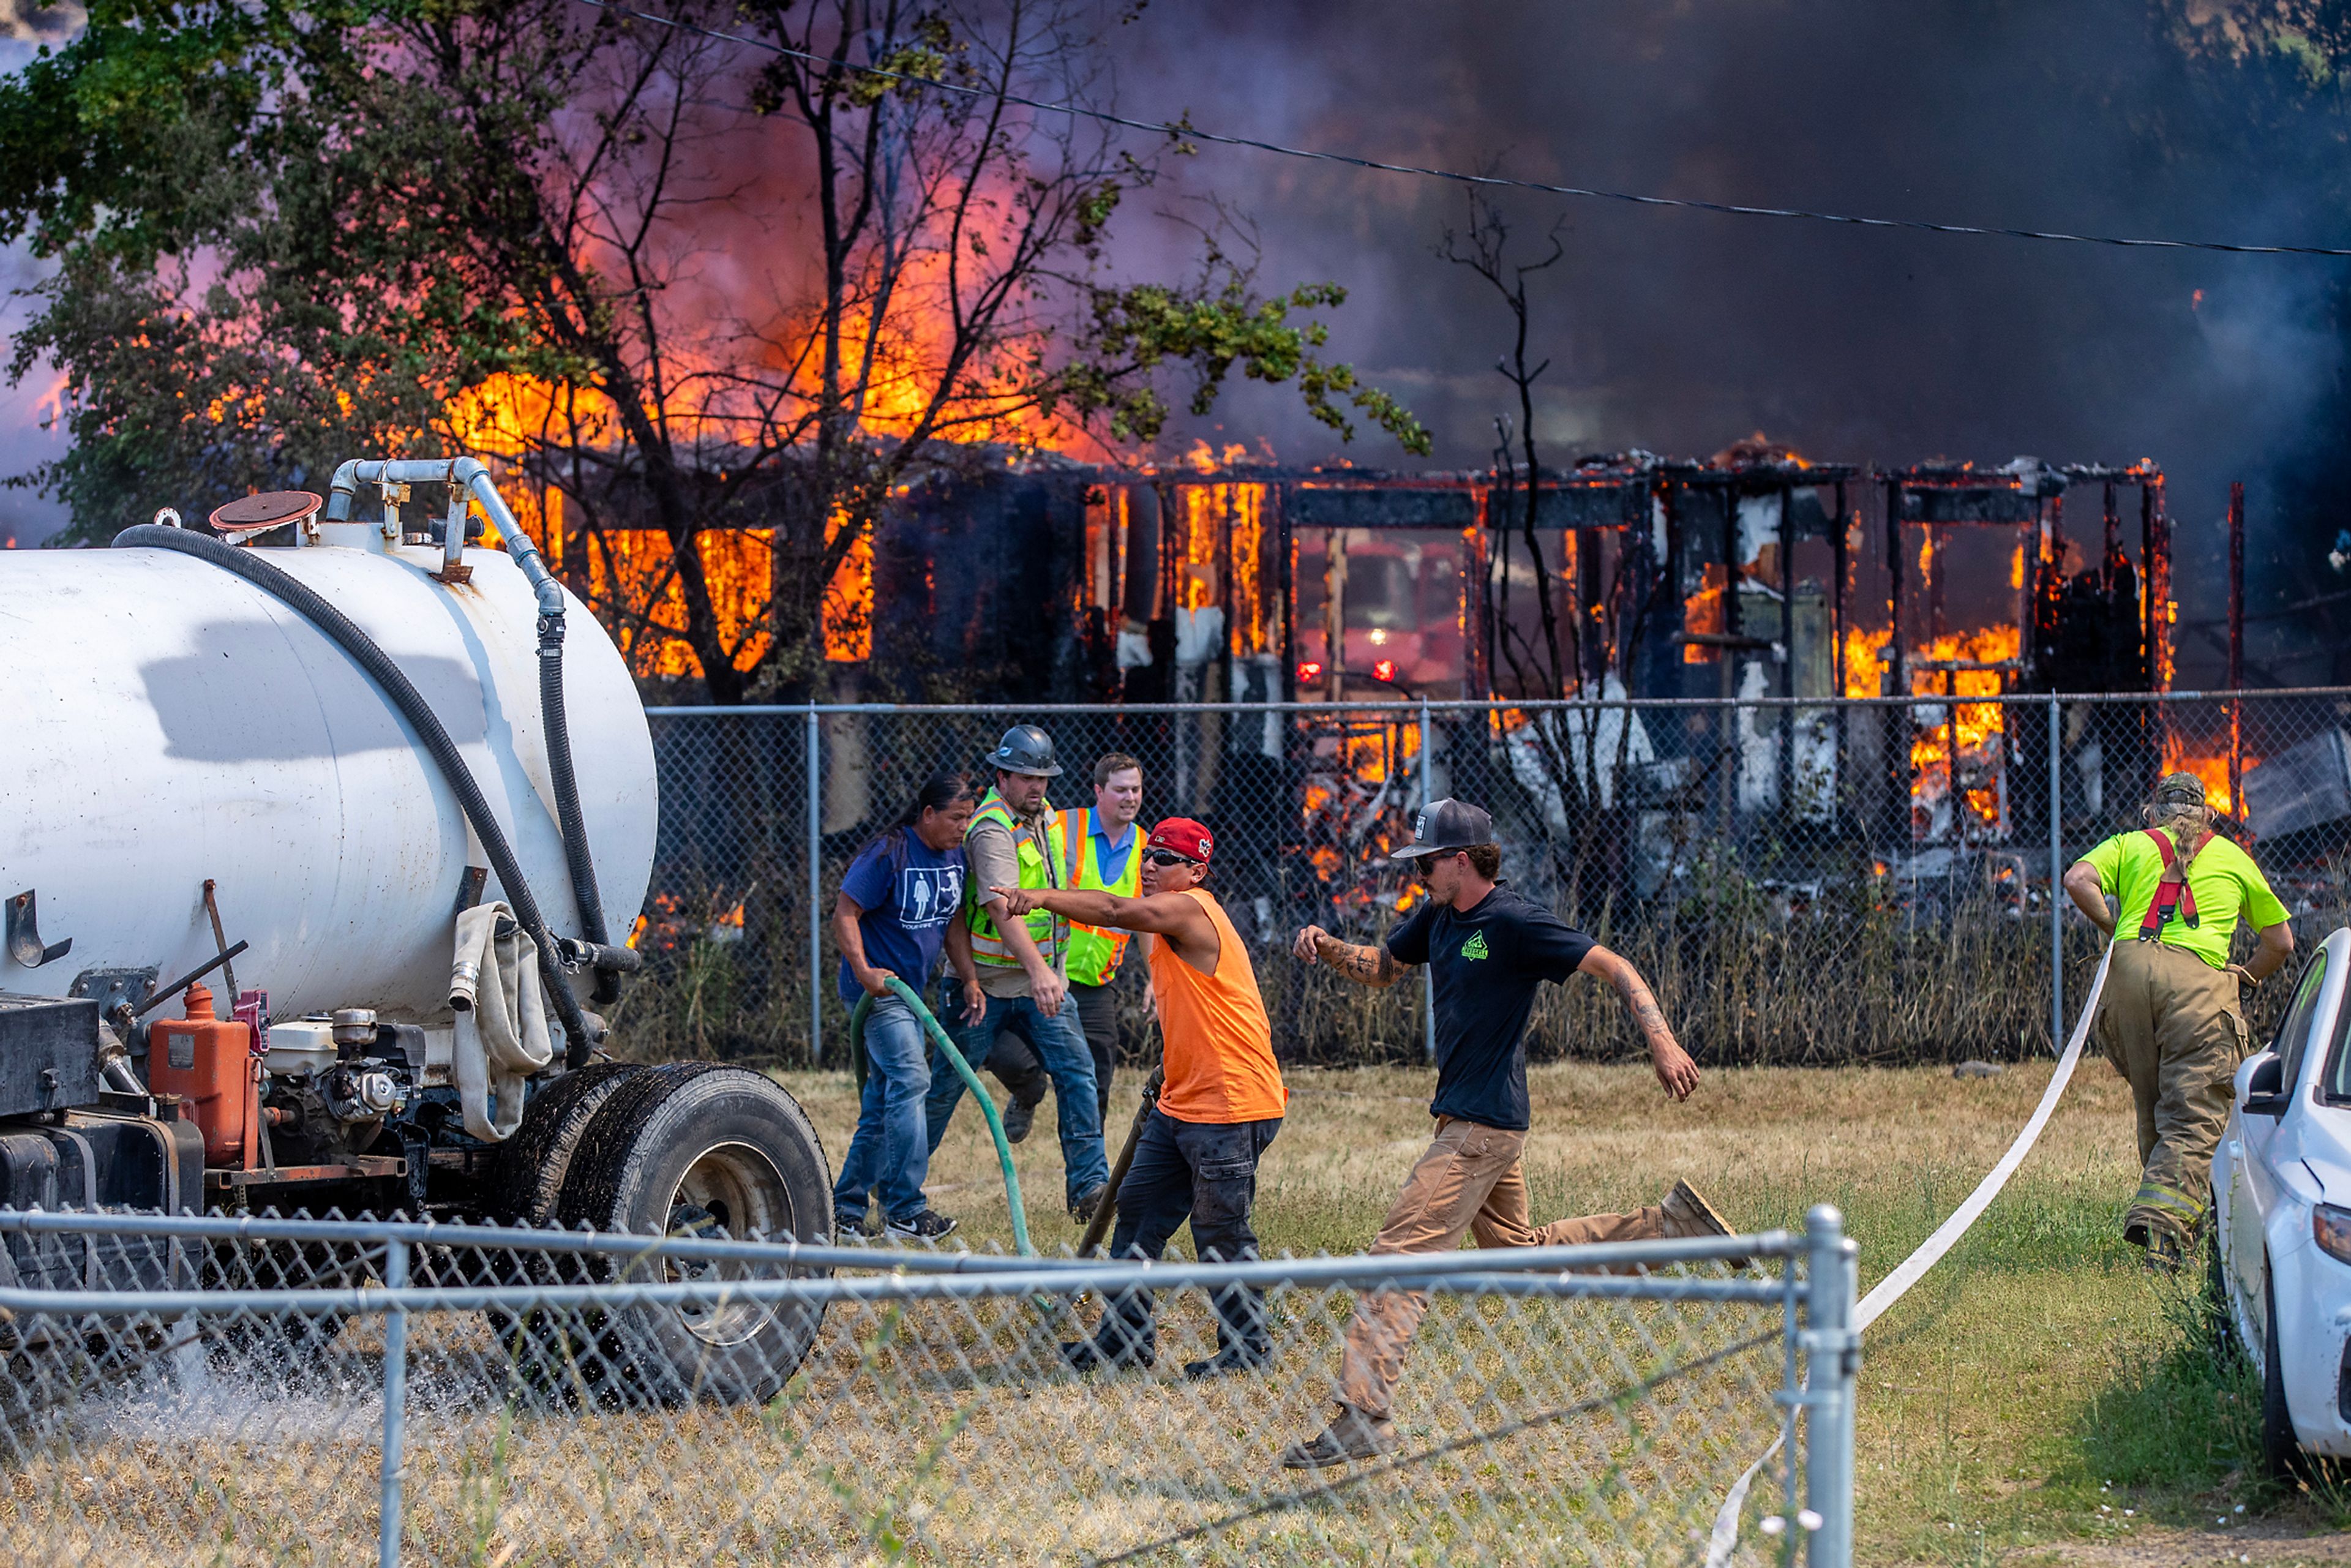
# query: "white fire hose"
1931,1251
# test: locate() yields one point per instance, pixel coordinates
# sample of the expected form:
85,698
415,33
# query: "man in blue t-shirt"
897,910
1487,949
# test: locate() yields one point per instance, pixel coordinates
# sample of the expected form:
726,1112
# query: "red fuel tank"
209,1063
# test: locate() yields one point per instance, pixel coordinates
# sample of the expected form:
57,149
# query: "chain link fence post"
1831,1360
2056,877
815,892
1428,974
395,1400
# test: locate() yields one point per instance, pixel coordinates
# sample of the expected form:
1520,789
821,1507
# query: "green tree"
687,280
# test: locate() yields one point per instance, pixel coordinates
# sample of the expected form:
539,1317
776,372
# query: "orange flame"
1865,670
1205,459
1211,513
1975,727
1702,612
630,572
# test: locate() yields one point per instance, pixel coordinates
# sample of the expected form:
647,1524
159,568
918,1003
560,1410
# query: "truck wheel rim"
735,1190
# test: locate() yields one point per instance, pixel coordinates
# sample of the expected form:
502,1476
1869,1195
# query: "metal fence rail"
1860,863
243,1390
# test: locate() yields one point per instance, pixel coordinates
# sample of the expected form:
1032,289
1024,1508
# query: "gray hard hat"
1025,748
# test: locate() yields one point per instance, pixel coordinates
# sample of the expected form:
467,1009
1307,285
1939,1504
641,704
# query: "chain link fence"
1802,882
273,1391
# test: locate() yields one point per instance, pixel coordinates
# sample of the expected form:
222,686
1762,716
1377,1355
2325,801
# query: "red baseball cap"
1185,837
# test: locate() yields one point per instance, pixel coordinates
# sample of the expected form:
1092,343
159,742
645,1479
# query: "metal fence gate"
287,1391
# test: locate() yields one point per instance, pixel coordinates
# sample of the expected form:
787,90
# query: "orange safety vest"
1094,950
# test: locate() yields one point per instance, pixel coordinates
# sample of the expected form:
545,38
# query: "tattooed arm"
1364,965
1675,1069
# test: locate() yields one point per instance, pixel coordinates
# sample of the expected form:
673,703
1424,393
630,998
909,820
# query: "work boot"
1351,1434
1232,1358
2166,1248
1088,1355
1019,1116
1083,1207
1688,1213
2168,1243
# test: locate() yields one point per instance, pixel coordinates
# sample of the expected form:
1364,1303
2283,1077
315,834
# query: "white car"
2281,1218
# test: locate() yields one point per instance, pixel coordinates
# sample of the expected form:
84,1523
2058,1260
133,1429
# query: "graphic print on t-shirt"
927,895
1485,963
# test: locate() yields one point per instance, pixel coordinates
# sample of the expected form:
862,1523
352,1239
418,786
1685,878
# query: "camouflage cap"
2178,789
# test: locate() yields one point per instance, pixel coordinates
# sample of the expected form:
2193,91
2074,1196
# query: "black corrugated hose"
395,686
557,733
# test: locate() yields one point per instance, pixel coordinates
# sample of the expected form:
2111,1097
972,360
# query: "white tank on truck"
323,770
171,724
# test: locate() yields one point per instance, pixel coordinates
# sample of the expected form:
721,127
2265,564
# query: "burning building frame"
1722,583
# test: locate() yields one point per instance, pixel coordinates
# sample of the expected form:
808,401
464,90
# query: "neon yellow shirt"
2227,886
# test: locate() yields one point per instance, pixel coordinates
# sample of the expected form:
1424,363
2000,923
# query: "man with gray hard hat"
1100,851
1487,949
1022,962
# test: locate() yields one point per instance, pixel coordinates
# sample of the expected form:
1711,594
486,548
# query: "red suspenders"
2172,894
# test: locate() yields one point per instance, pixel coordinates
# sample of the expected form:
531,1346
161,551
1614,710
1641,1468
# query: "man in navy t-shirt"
899,907
1487,949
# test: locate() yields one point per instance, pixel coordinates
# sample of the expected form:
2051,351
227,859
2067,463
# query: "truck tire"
532,1164
688,1148
525,1189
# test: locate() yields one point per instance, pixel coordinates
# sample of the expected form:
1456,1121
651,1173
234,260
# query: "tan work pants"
2171,1025
1467,1182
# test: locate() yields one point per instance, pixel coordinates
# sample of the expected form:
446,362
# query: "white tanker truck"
308,829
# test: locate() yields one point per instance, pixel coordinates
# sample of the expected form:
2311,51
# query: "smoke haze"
1679,331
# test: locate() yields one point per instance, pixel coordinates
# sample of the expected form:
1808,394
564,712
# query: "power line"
1186,131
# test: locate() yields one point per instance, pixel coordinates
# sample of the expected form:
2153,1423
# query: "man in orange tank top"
1221,1104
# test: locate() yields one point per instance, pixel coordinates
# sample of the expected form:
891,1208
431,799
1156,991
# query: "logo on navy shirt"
927,895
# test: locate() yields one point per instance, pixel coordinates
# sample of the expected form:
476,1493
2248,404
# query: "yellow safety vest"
1037,869
1094,950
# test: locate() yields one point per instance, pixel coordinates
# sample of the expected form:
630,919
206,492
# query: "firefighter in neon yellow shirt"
2170,1020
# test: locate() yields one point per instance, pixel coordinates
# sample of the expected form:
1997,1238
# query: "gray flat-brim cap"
1446,824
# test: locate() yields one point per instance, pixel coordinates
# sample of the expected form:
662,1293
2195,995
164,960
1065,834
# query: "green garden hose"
908,994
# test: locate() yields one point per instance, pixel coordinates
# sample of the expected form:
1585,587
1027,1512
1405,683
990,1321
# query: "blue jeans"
1060,1045
891,1148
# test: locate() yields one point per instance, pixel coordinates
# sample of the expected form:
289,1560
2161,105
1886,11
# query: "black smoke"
1679,331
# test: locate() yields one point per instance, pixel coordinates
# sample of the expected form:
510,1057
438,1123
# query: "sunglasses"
1168,857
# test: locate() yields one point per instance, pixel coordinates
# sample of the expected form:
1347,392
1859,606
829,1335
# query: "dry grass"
1997,1398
